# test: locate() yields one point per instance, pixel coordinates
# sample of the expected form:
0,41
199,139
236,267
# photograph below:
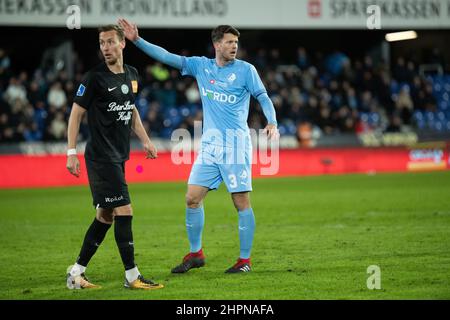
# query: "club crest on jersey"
231,78
81,90
124,89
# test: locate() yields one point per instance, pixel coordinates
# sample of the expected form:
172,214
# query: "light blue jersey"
226,151
225,93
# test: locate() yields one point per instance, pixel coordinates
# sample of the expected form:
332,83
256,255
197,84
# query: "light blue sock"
246,232
195,220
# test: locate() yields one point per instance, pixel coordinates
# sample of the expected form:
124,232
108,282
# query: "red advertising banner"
23,171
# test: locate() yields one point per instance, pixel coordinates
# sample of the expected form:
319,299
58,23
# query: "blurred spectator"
404,104
3,127
58,127
429,101
70,91
35,93
410,71
274,58
5,64
15,92
384,92
305,134
395,124
325,122
159,72
366,101
40,116
437,57
56,96
242,54
351,99
166,96
400,72
302,59
344,118
307,78
154,120
192,94
142,103
260,60
32,133
335,63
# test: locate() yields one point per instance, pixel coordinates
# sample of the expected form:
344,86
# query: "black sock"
92,240
124,240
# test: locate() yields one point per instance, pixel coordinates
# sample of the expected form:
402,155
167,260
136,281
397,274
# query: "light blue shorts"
215,164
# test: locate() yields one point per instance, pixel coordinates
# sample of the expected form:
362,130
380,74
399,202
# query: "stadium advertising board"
426,159
448,156
19,171
307,14
428,156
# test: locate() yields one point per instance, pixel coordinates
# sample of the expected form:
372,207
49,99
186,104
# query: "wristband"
71,152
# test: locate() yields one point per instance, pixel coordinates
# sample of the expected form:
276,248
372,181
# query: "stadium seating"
31,119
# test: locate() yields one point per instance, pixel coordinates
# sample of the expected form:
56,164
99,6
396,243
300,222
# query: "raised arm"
131,33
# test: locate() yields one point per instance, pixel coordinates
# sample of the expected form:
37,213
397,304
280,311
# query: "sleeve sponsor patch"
81,90
134,85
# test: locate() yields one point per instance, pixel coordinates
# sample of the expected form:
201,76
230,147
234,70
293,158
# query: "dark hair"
113,27
218,32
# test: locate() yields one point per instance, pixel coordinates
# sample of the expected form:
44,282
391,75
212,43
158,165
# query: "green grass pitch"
315,238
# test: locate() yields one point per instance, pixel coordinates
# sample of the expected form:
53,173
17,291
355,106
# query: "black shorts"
108,186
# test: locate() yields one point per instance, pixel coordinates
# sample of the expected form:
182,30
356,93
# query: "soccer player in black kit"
107,93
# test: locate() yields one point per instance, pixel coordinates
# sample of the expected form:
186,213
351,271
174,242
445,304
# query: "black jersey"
109,100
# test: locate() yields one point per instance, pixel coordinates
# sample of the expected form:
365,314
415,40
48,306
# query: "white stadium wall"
283,14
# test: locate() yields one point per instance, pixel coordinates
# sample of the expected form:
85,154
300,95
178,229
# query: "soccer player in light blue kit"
225,85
